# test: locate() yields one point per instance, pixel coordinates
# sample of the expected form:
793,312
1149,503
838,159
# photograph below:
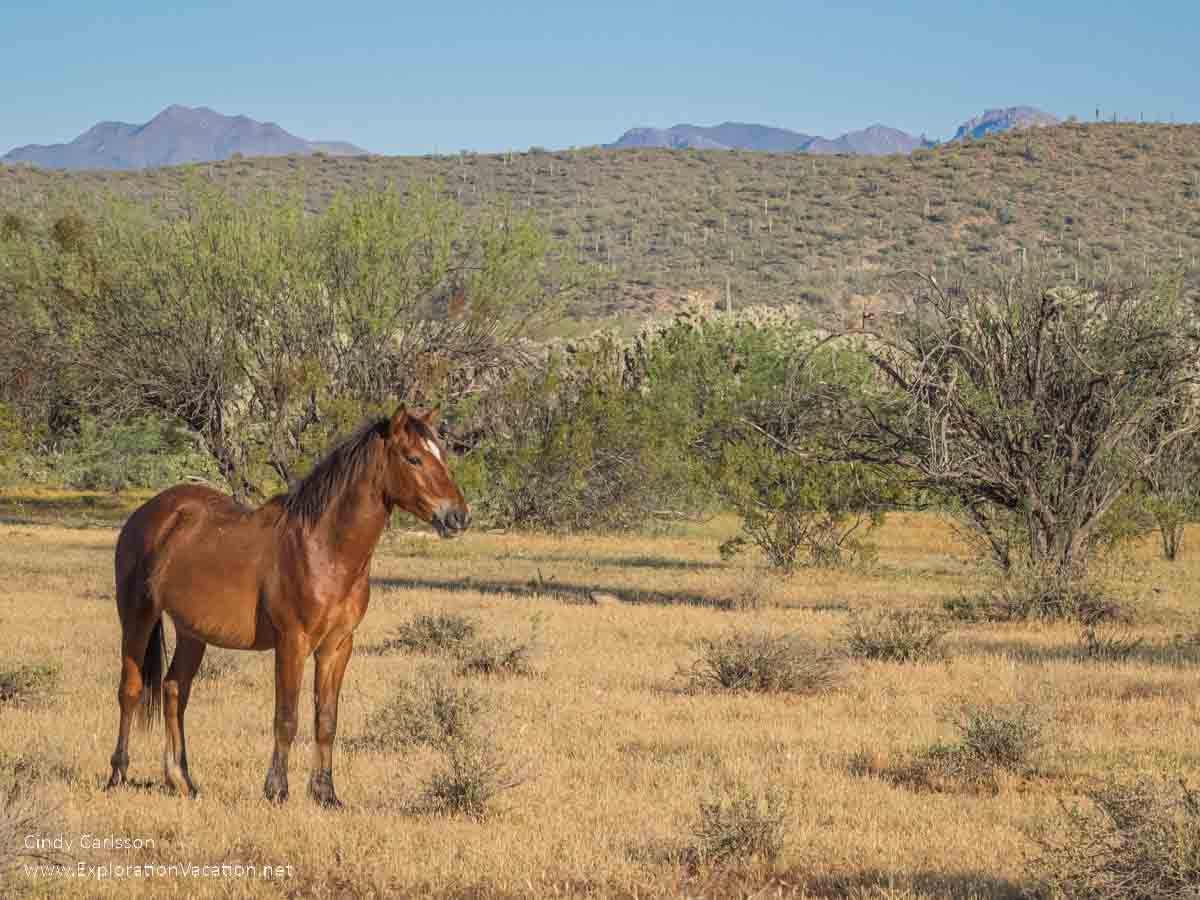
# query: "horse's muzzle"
453,522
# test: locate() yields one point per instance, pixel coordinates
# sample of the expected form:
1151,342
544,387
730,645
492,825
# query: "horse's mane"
308,499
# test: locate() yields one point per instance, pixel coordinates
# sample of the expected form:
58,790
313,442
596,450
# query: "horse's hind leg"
138,627
177,687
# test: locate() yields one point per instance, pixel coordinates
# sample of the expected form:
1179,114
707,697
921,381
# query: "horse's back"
203,557
152,523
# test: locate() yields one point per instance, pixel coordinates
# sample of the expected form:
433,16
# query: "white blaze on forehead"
433,449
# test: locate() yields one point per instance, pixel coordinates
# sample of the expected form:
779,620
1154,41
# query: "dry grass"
621,759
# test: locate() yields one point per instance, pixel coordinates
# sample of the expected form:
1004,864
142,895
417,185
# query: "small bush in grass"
442,633
991,739
1002,736
739,829
27,683
1100,645
746,661
1027,597
899,635
1137,841
473,775
431,710
496,656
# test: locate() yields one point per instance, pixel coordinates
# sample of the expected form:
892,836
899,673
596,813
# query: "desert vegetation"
656,226
881,587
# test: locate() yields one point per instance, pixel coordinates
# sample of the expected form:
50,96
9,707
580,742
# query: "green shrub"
744,661
429,711
143,453
1001,736
473,775
496,656
440,633
1031,597
899,635
991,739
739,829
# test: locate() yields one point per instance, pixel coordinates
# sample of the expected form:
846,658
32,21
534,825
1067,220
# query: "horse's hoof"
326,798
115,781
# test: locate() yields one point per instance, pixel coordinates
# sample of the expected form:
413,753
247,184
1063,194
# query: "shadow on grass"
754,879
571,593
1165,653
623,562
917,885
63,520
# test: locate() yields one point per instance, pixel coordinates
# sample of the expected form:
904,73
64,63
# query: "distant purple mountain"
877,140
178,134
994,120
727,136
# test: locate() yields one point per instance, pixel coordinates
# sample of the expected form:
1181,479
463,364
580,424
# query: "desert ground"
611,751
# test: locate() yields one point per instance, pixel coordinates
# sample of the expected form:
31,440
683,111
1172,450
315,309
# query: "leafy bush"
899,635
740,828
430,711
991,738
795,512
569,445
1002,736
473,775
1137,841
268,328
440,633
496,656
144,453
744,661
1044,597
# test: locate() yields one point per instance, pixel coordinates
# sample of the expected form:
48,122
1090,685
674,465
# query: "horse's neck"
349,531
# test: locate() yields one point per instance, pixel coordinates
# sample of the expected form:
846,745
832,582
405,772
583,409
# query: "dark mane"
306,501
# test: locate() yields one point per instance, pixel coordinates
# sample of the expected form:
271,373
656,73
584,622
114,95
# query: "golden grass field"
618,756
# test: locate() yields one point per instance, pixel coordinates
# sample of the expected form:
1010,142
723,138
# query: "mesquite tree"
1033,406
268,330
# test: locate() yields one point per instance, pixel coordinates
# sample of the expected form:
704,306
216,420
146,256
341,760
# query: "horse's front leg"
332,657
289,668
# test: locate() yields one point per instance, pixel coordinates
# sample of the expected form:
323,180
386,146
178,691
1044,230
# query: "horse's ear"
430,418
398,421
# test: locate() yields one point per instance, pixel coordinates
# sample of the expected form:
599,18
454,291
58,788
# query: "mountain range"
178,134
183,134
877,140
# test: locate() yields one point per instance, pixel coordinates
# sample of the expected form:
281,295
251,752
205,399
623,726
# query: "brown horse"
292,576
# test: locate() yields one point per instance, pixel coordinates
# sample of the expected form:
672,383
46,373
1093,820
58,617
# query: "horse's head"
417,479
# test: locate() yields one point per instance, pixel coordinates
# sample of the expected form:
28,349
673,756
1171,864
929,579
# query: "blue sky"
461,75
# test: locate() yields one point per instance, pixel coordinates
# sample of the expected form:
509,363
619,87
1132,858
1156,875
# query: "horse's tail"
152,677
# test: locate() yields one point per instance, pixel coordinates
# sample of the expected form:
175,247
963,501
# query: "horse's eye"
415,460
